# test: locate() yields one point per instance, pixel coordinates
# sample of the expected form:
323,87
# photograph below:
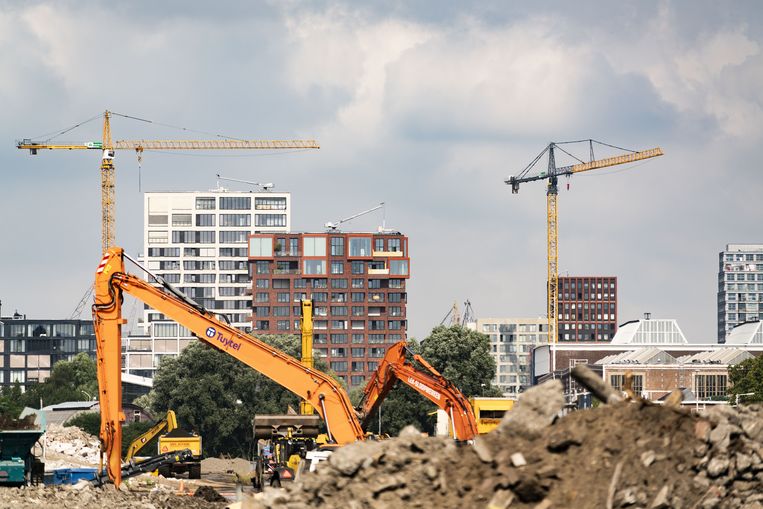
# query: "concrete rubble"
630,454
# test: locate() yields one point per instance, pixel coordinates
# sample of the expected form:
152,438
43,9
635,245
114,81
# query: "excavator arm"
432,385
167,424
111,280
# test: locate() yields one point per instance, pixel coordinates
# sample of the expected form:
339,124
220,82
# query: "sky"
427,106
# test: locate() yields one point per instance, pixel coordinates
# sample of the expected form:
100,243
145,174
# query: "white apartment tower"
197,241
511,343
740,287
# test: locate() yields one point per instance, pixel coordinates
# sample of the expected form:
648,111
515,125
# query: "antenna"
265,187
334,226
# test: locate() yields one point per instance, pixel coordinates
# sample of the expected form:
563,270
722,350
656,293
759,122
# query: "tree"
746,380
462,356
73,380
10,402
217,396
89,422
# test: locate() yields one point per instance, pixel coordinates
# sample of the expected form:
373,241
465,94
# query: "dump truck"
283,441
175,439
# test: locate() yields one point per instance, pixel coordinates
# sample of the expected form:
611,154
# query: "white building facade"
197,241
511,343
740,287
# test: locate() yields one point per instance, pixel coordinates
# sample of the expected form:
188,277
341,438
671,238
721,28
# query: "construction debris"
70,446
84,496
630,454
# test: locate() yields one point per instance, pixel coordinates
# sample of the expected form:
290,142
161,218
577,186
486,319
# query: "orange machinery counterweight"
433,386
321,391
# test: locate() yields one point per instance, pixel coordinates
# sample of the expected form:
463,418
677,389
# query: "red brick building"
357,282
587,308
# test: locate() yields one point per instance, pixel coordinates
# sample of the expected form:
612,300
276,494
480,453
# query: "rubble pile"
631,454
84,496
69,446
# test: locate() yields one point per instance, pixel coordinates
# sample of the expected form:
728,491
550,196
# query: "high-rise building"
357,282
740,286
197,241
511,344
30,348
587,308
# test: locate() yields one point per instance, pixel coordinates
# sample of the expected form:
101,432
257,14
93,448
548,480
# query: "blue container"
70,475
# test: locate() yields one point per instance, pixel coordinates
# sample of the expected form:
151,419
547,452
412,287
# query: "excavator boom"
317,388
167,424
431,385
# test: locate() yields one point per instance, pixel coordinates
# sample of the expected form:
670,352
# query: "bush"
89,422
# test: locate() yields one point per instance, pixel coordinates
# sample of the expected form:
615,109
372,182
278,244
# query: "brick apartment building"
357,282
587,308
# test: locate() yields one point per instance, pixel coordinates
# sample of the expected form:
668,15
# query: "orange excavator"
432,385
111,281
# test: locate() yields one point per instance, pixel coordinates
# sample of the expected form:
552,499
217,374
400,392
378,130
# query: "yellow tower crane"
108,149
552,175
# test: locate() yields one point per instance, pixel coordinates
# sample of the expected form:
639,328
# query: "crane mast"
552,213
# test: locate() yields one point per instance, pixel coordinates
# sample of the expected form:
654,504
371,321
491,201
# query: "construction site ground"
632,454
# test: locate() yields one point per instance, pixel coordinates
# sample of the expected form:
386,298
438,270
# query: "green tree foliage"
133,431
746,380
217,396
462,356
73,380
11,403
89,422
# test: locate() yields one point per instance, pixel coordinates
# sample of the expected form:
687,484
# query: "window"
181,219
271,220
260,246
376,352
204,203
396,283
358,267
360,246
396,297
395,311
358,352
261,310
157,220
233,237
338,352
338,268
358,324
338,297
357,283
193,237
320,296
235,220
157,237
282,324
356,380
314,246
339,283
376,324
339,324
313,267
205,219
398,267
339,339
358,338
358,296
282,296
281,284
320,283
199,265
378,244
239,252
199,278
393,245
339,310
163,251
358,311
281,311
235,203
234,265
618,381
270,203
338,365
337,246
710,387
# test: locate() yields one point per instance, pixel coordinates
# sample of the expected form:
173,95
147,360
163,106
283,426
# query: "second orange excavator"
430,384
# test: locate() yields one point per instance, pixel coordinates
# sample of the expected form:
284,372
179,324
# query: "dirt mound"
631,454
83,496
223,466
209,494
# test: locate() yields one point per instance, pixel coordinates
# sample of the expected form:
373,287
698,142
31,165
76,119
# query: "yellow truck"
174,440
489,411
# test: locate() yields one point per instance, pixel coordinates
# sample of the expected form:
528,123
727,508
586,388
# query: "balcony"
282,254
388,254
295,272
378,272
